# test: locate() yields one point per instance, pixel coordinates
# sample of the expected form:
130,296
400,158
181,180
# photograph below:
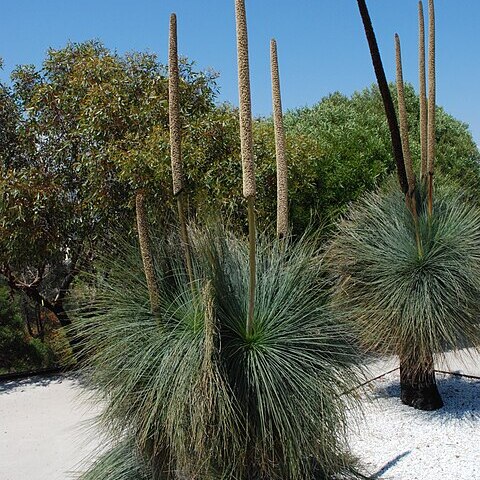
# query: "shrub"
199,394
404,300
18,351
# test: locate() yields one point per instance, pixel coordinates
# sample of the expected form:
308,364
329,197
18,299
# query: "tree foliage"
18,351
81,135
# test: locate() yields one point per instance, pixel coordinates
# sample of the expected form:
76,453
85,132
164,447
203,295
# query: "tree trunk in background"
418,388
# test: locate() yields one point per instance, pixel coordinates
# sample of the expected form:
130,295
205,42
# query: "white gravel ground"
45,429
400,443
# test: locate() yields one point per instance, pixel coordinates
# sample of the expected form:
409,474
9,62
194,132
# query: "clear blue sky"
321,42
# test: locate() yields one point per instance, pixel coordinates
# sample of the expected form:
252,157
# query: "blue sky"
321,42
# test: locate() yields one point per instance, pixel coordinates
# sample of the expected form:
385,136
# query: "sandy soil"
44,428
46,432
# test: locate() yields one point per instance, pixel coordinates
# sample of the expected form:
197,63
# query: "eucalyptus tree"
81,136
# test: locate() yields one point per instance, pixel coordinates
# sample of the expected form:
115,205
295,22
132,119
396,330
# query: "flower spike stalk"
280,153
402,113
386,96
176,139
246,144
422,92
431,104
146,250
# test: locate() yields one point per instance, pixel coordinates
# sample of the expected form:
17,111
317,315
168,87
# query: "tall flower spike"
246,137
246,144
176,139
174,109
146,250
423,92
280,150
386,96
402,114
410,198
431,103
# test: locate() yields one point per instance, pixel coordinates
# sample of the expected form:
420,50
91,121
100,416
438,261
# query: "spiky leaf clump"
289,374
200,394
402,300
120,462
154,372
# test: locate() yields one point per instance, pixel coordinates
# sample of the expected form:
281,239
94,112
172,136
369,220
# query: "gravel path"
44,428
45,433
400,443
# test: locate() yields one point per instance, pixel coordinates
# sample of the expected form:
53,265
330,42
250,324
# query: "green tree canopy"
80,136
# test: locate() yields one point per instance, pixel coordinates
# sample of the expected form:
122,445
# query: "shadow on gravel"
461,397
8,386
389,465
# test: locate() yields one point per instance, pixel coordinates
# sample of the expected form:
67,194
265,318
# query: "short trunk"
418,388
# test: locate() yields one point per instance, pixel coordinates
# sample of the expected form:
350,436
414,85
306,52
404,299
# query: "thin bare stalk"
146,250
431,104
386,96
176,141
422,92
246,143
252,262
280,150
402,113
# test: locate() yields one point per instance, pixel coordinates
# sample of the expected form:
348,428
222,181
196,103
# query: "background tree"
82,134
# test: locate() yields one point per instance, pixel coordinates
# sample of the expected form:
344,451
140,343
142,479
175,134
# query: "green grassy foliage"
199,394
18,351
398,299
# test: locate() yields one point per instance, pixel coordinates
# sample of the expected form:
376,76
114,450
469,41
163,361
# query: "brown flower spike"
280,150
422,92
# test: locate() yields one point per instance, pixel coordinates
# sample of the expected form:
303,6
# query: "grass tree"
406,264
244,376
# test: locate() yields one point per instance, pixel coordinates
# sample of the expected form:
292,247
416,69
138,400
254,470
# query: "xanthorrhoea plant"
403,303
280,149
198,395
408,277
202,393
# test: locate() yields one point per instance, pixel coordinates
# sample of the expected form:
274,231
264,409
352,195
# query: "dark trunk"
386,95
61,314
418,388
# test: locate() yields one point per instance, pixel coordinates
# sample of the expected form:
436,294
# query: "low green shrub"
18,351
198,393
